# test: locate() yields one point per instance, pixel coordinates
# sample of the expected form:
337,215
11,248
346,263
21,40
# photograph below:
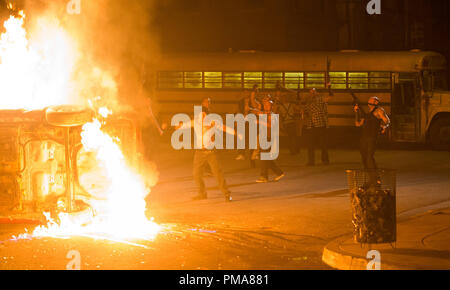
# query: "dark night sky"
297,25
292,25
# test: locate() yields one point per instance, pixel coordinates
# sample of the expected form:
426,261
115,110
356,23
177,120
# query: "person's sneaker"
262,180
200,197
278,178
240,157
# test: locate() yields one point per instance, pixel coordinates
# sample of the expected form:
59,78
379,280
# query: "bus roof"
398,61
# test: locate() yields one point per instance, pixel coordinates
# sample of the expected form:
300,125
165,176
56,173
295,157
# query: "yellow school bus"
412,85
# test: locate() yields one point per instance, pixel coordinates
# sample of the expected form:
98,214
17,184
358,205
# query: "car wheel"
68,116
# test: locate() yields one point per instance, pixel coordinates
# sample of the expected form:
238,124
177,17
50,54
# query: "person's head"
374,102
278,86
313,91
206,102
255,87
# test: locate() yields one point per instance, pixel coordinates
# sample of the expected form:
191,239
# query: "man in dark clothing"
316,113
373,124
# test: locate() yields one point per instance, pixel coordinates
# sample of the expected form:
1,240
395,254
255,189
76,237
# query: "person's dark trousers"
291,131
318,139
269,164
367,149
202,157
247,152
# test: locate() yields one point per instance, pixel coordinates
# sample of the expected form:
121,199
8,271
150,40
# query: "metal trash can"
373,202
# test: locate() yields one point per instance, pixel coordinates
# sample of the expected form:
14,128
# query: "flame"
122,213
104,112
38,74
41,71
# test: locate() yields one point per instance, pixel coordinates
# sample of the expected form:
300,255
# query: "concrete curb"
334,257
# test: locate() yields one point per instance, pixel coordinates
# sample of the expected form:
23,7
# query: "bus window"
232,80
315,80
338,80
407,77
193,80
358,80
271,79
170,80
213,80
251,79
403,101
380,80
294,80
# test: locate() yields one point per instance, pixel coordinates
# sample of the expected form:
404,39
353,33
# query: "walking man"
204,156
316,113
268,164
244,109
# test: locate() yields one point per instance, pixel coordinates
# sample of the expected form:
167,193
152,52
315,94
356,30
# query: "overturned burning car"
43,165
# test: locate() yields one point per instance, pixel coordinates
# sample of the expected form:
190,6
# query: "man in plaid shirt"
316,114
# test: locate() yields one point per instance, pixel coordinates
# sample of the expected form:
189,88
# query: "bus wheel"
440,134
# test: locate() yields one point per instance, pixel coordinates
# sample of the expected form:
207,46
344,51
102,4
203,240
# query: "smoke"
117,48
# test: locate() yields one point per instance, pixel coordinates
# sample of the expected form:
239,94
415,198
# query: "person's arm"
358,122
380,113
256,109
186,125
155,122
191,124
246,106
254,104
228,130
287,90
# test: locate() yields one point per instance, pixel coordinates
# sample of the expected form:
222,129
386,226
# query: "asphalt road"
282,225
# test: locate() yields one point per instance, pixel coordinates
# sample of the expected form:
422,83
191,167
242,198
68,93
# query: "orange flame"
122,213
38,73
